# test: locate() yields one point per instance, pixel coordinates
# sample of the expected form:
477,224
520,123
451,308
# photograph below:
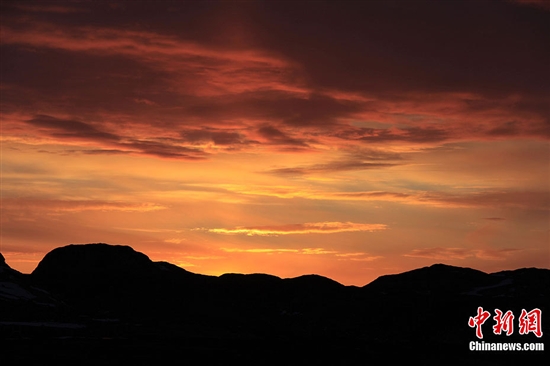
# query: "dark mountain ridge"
88,293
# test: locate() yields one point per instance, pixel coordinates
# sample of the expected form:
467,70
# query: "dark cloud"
279,74
542,4
338,166
506,129
492,47
78,83
488,47
101,152
354,159
165,149
412,134
218,137
277,137
71,129
314,111
282,107
373,154
47,8
531,200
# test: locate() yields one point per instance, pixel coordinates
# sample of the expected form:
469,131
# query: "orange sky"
349,140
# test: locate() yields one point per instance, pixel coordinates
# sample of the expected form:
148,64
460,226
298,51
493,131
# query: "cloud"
361,257
338,166
201,257
312,111
440,253
355,159
454,198
59,205
317,251
364,259
358,256
223,69
275,136
216,136
259,250
497,254
70,129
47,8
372,196
307,228
164,148
73,131
145,101
542,4
99,152
535,200
410,134
213,97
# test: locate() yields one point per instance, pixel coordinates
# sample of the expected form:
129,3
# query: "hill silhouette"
117,301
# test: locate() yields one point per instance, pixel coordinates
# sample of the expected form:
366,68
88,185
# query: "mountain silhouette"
436,278
117,300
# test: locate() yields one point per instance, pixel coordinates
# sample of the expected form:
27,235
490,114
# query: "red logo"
478,320
503,323
529,322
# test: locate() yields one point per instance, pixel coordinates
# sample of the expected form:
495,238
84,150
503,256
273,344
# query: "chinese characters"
529,322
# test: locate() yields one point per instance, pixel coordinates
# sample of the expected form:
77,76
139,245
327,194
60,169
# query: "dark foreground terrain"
100,304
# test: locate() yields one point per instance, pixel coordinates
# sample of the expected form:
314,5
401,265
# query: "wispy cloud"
450,198
338,166
235,70
48,8
260,250
307,228
59,205
358,257
69,129
442,253
343,256
74,131
537,200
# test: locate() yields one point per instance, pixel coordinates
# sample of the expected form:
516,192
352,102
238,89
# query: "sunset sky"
346,139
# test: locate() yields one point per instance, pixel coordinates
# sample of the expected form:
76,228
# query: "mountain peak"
437,277
90,260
